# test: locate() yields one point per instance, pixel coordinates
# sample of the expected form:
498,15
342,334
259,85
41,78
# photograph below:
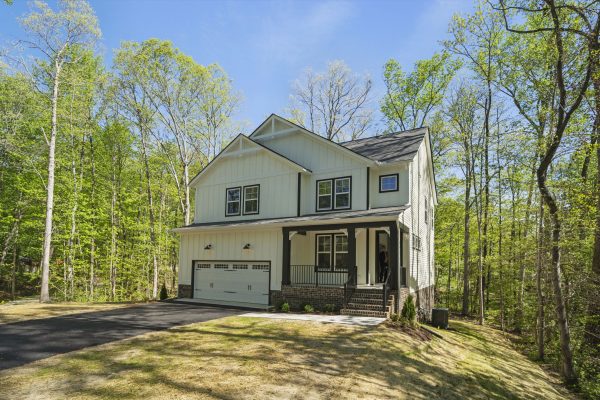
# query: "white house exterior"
284,215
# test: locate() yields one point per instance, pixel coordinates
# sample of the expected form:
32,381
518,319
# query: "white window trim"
349,193
257,200
227,201
330,195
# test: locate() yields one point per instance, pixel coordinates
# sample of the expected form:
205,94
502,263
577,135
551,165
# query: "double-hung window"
232,201
251,195
334,194
332,251
324,195
323,251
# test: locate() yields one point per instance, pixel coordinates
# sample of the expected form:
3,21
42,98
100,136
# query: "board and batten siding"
389,199
277,179
265,245
325,162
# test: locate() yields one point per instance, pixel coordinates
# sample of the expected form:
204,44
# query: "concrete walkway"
329,319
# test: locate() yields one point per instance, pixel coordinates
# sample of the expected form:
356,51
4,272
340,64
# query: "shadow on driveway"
27,341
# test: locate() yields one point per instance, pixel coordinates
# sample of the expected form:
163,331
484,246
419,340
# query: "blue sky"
265,45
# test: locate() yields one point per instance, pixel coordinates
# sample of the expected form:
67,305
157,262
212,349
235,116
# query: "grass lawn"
34,310
239,357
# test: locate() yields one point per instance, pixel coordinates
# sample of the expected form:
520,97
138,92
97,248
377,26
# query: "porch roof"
372,215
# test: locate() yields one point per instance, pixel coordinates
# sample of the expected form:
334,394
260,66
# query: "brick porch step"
367,300
363,313
367,307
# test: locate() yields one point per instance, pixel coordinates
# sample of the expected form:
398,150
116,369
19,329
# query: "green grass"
240,357
34,310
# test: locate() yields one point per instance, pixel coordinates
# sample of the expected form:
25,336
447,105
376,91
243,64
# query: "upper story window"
251,195
388,183
334,194
232,201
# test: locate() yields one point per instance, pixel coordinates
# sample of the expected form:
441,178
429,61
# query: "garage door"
237,281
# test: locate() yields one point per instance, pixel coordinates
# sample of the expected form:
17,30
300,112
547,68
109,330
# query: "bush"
408,313
395,317
309,309
285,307
329,308
163,293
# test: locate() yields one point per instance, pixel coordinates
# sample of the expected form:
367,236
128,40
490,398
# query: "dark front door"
382,255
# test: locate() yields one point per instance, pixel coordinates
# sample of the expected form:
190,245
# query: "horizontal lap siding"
265,245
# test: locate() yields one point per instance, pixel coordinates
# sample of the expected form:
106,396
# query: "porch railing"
350,285
386,290
312,275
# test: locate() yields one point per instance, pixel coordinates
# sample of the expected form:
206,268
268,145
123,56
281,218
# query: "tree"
334,103
54,34
572,74
410,99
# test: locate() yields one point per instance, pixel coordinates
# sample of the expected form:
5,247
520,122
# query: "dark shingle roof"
332,217
399,146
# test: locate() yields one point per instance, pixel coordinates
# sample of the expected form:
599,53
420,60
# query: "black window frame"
397,176
333,194
243,209
227,214
332,251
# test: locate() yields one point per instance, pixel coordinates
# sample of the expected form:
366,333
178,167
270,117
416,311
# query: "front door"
382,255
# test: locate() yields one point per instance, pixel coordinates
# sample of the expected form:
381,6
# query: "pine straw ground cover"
34,310
253,358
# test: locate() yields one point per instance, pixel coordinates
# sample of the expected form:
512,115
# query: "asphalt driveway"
27,341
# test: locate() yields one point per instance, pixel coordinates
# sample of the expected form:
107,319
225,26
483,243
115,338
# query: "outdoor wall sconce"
208,247
247,246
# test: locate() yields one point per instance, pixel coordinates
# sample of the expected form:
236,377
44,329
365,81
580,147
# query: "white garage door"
237,281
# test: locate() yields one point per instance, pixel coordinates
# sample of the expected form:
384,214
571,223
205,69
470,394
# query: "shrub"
309,309
163,293
329,308
395,317
408,313
285,307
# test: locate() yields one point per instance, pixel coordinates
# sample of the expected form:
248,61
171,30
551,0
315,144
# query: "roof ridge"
383,135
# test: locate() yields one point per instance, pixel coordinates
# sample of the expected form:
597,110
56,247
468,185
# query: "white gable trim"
297,128
242,146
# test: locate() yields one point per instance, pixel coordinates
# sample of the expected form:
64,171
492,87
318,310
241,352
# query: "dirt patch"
416,333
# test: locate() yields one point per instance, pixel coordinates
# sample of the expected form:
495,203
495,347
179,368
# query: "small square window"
388,183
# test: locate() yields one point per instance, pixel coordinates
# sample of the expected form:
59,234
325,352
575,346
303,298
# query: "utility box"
439,318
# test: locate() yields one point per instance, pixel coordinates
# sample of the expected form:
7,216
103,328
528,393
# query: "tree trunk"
113,237
592,325
186,182
466,250
45,293
153,241
541,318
561,310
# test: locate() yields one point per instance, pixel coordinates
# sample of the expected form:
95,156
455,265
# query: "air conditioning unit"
439,318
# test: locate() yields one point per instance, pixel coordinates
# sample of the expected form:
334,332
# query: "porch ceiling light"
208,247
247,246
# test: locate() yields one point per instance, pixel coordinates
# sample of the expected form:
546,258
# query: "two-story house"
285,215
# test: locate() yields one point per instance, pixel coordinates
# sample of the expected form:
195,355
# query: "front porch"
354,267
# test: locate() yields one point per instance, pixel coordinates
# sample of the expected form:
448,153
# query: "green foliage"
409,313
309,309
163,292
329,308
285,307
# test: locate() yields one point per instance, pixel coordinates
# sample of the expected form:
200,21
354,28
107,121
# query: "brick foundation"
298,297
184,291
